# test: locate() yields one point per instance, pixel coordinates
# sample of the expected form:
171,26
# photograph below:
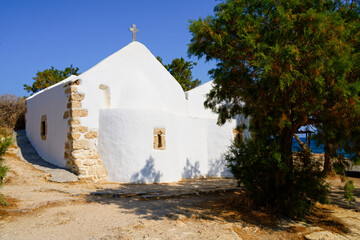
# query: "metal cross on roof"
134,31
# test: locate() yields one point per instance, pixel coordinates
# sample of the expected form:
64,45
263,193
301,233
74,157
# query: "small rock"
149,197
324,235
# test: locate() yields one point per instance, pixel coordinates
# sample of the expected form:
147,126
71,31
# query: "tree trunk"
302,145
285,148
327,163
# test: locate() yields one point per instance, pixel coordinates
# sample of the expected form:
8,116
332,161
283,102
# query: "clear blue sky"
37,34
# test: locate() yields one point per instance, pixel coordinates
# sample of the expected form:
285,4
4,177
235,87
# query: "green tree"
181,71
49,77
292,63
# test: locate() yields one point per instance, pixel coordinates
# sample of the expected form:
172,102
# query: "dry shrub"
12,112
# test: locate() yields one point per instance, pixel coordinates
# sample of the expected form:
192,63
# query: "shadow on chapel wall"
191,170
147,174
217,167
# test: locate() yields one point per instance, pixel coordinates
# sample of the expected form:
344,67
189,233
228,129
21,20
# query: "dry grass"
12,113
12,210
12,203
237,207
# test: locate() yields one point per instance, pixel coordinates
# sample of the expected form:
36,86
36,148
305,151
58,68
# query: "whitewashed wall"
196,99
126,146
52,103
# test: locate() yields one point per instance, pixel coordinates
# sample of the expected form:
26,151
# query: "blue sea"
313,146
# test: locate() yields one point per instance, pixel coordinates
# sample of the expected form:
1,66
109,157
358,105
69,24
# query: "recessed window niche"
238,135
159,139
43,127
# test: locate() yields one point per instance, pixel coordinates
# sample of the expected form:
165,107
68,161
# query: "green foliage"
49,77
2,200
284,64
259,168
348,191
339,168
181,71
5,142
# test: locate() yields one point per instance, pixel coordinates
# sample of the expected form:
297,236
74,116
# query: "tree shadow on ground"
211,206
321,216
230,207
337,198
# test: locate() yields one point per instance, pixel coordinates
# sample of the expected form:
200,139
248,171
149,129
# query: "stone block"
78,162
74,104
78,113
78,129
91,135
80,144
91,172
101,172
92,156
78,154
76,97
88,162
74,121
83,172
67,146
70,89
84,177
68,162
159,131
66,155
73,136
76,82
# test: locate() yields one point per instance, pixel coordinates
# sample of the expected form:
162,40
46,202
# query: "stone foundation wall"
80,148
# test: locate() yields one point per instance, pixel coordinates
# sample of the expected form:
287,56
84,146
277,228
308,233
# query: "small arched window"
159,139
43,127
238,135
106,91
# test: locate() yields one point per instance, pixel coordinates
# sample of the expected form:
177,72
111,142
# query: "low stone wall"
80,148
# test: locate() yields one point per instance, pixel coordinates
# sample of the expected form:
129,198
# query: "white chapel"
128,120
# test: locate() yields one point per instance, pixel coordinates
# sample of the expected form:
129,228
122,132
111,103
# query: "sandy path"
48,210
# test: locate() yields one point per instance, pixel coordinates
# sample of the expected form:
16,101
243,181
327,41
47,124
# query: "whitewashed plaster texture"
126,146
136,80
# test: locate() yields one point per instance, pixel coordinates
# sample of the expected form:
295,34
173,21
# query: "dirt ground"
40,209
